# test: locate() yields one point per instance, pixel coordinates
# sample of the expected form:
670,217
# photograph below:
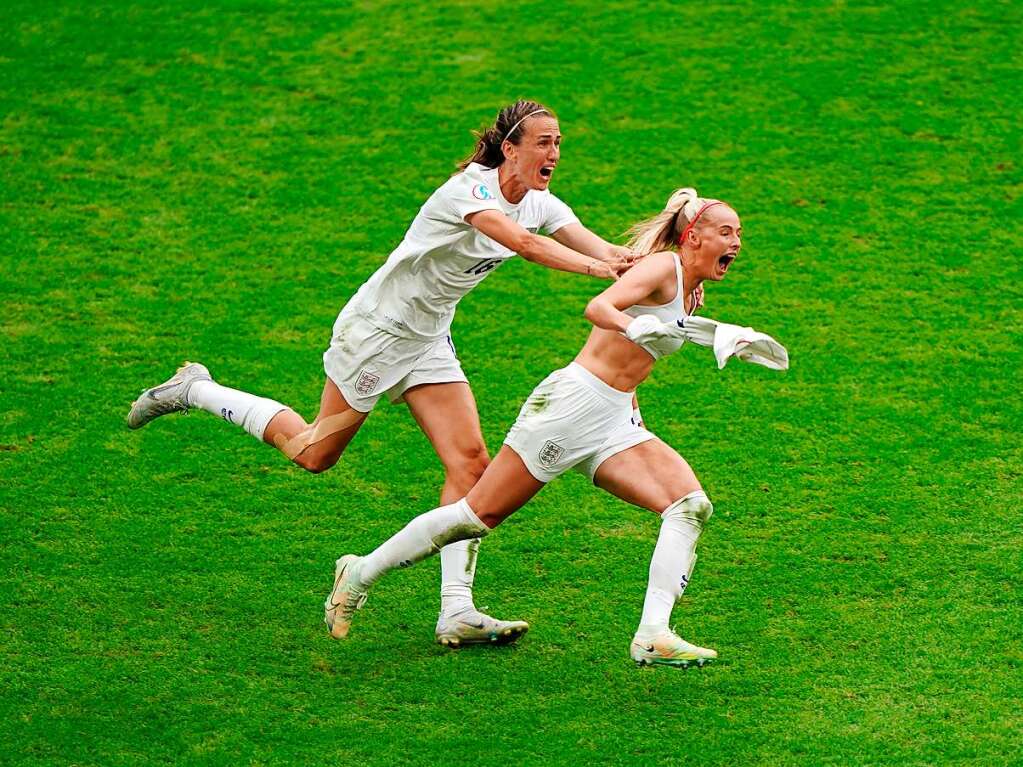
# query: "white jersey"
441,258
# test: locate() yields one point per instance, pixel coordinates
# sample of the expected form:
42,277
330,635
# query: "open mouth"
546,171
725,261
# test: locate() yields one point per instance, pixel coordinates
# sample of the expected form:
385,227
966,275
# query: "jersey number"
484,266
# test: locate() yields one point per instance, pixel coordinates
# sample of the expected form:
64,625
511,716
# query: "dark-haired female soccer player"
392,337
581,417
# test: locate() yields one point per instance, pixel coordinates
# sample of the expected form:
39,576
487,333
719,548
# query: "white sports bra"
672,311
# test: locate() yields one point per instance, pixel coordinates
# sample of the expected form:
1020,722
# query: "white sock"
673,559
424,536
457,571
250,412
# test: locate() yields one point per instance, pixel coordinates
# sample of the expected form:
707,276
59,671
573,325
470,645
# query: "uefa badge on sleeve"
550,454
366,382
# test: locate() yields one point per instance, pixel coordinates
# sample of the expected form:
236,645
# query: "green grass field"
213,182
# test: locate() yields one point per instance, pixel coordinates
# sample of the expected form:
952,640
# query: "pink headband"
696,218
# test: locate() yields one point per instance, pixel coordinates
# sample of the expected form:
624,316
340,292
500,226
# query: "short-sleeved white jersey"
442,258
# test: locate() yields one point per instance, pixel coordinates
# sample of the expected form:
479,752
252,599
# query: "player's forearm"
595,247
586,242
546,252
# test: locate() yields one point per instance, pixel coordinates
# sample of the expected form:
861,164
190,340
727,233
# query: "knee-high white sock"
457,572
424,536
674,556
250,412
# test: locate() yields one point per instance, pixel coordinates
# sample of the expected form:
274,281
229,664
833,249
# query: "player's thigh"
651,475
447,414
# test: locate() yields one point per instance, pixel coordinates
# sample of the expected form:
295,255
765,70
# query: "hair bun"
692,204
685,200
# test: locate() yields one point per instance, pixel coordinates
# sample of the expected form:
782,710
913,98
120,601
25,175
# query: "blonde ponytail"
661,232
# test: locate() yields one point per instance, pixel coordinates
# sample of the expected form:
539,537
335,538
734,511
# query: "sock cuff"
192,392
650,630
260,416
470,516
694,507
693,496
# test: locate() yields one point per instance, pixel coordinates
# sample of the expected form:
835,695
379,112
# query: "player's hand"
697,298
604,270
637,418
623,259
622,253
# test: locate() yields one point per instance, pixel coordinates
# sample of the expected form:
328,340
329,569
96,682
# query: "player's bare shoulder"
654,269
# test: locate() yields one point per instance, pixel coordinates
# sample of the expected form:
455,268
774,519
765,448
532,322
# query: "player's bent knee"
702,509
478,465
694,508
468,468
302,447
316,464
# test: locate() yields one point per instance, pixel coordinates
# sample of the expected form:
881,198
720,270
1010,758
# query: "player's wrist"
637,418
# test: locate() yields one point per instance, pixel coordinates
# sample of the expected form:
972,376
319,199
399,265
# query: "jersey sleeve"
556,214
469,193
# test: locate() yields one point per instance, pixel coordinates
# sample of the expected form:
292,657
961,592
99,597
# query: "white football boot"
168,397
669,649
343,600
474,627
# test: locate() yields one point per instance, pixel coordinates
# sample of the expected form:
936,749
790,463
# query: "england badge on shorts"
366,382
550,454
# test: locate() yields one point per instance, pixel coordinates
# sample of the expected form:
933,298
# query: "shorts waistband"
581,374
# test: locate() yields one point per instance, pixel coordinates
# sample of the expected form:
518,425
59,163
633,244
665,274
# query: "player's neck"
512,188
689,278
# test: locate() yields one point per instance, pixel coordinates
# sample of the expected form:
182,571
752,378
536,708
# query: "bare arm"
642,280
578,237
539,249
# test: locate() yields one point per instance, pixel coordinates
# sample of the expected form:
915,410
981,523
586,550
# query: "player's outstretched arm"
539,249
579,238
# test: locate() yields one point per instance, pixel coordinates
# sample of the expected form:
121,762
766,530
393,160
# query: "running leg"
506,486
447,414
654,476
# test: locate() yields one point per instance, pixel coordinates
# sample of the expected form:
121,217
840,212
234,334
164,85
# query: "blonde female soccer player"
392,338
582,417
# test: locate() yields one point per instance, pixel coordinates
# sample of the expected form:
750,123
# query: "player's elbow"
594,310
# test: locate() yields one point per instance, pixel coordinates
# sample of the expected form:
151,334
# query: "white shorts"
573,420
365,362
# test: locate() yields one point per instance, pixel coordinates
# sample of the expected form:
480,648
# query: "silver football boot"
474,627
168,397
